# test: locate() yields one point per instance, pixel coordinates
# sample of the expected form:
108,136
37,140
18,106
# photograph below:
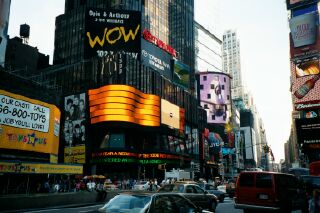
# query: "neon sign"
151,38
122,157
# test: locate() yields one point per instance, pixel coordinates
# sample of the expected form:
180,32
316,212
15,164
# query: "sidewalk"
14,203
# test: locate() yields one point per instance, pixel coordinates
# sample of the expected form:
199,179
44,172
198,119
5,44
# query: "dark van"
269,191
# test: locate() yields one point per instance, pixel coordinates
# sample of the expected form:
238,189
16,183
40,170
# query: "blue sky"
262,28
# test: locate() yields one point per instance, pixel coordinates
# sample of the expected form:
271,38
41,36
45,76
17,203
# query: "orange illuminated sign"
124,103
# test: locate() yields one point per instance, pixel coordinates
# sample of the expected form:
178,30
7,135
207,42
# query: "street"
225,207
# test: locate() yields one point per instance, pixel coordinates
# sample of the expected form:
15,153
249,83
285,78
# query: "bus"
315,168
298,171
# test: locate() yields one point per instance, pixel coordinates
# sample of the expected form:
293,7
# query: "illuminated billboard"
181,74
4,22
298,3
156,58
131,157
28,124
215,96
170,114
111,31
124,103
303,29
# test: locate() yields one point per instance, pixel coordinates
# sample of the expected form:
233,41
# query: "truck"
178,174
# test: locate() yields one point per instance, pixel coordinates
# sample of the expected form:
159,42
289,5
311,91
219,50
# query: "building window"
213,117
228,97
206,106
205,78
222,87
209,96
224,79
201,86
212,86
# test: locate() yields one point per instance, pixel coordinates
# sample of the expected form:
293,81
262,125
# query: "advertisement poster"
28,124
157,59
303,29
170,114
181,74
305,86
110,31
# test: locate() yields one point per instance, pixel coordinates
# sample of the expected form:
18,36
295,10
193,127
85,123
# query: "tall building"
134,81
231,63
304,84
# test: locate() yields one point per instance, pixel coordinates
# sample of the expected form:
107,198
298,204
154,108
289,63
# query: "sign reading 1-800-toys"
23,114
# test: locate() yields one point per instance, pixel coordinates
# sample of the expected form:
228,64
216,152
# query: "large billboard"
303,29
215,96
74,130
157,59
298,3
28,124
308,131
124,103
110,31
4,22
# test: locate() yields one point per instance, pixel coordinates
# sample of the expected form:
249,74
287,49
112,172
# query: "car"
212,189
309,183
269,191
230,187
146,202
193,192
108,185
141,185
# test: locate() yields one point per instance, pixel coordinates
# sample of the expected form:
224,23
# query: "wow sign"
108,32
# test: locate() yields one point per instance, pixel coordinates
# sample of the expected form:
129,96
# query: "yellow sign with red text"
28,124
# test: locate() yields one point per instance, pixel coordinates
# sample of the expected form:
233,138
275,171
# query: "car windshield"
172,188
127,203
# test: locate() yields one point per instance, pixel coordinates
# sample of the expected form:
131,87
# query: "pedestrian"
314,202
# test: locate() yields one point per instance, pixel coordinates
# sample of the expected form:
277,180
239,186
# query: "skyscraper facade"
231,63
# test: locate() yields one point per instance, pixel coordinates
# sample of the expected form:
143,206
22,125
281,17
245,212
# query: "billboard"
156,58
215,96
298,3
170,114
4,22
303,29
306,51
181,74
124,103
308,131
312,8
215,142
75,119
28,124
305,84
110,31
